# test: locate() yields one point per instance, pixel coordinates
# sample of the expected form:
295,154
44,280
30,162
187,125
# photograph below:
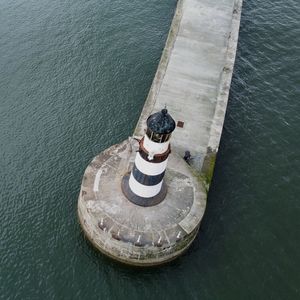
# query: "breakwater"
54,121
194,75
193,81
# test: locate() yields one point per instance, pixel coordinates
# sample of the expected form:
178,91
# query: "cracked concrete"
193,79
134,234
194,75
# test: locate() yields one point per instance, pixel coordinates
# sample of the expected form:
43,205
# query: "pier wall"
193,80
194,76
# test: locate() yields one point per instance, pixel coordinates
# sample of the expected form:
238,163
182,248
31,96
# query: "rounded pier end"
131,233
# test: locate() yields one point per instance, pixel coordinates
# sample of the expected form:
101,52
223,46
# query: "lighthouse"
130,209
144,185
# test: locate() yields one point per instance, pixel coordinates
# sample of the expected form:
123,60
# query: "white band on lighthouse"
144,191
156,148
150,168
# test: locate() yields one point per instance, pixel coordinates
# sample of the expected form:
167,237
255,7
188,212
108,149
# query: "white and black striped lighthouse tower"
144,185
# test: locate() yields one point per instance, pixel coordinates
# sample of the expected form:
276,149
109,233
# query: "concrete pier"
194,75
133,234
193,79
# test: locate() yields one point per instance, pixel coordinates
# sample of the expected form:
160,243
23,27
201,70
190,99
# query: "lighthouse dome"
161,122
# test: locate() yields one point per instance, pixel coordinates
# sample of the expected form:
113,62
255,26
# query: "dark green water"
73,79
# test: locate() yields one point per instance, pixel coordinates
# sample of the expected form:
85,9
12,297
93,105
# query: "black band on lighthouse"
146,179
142,201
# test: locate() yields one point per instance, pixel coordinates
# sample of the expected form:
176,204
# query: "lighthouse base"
142,201
130,233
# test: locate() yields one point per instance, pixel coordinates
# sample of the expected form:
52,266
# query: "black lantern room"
160,126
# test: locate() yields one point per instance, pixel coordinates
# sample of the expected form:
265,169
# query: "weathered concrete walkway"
193,80
194,75
134,234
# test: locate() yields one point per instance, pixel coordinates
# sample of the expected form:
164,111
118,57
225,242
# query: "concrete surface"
194,74
193,79
134,234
